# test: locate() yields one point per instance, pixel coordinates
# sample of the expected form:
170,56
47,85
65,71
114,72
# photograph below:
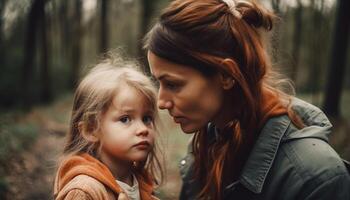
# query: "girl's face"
127,127
191,98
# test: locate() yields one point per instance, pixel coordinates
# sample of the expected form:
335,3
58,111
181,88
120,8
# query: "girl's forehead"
129,99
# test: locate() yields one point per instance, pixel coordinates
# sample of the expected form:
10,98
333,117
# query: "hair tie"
232,6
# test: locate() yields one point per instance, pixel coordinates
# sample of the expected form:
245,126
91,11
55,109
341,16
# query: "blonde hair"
93,97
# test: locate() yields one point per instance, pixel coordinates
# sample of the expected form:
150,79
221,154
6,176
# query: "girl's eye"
147,119
125,119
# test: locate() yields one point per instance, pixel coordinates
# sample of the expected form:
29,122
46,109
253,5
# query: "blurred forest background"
46,45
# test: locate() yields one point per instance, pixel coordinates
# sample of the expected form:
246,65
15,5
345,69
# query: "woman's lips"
179,119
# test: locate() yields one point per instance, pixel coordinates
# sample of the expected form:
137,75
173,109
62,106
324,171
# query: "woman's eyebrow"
170,77
163,76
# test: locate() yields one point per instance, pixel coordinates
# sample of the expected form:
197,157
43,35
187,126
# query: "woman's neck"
120,169
228,112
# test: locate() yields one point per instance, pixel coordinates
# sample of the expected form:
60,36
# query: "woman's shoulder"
305,162
84,187
308,147
310,114
310,166
313,158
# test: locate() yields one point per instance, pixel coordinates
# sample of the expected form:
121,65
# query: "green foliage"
3,187
15,136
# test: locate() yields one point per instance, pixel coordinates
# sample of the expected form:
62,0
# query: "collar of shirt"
133,191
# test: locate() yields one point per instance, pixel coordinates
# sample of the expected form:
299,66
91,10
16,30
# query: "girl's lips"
142,145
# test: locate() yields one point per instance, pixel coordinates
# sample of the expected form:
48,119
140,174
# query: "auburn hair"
202,34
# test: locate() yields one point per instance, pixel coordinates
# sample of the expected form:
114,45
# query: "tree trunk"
45,93
276,32
29,54
104,34
148,7
316,70
338,59
297,39
65,29
76,43
2,6
276,6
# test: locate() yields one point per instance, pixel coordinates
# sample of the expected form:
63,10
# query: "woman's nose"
163,102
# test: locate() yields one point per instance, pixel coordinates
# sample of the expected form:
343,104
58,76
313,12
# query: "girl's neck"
120,169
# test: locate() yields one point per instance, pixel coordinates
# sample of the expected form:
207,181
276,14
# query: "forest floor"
27,168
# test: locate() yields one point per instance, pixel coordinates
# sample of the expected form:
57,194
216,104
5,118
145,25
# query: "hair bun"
255,15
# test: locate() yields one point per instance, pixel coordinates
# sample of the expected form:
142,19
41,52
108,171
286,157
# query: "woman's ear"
227,81
87,135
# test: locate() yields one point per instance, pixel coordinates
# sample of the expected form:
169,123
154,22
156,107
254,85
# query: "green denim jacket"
285,163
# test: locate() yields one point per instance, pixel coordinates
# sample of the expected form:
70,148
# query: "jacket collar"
276,132
263,154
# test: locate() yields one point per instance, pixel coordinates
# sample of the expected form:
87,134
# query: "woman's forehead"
162,68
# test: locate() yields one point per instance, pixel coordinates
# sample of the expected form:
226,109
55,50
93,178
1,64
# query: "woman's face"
191,98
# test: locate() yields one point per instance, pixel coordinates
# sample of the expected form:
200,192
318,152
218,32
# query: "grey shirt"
285,163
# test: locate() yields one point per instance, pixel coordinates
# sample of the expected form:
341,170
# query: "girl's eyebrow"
123,109
149,112
130,110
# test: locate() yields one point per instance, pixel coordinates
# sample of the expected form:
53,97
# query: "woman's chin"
188,129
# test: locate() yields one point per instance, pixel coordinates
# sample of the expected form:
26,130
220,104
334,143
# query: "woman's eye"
125,119
147,119
171,86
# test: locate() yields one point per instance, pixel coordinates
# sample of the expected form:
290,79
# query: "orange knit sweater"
85,177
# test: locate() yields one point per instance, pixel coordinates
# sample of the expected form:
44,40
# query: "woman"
252,140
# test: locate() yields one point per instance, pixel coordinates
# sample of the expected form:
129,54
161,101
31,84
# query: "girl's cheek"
153,135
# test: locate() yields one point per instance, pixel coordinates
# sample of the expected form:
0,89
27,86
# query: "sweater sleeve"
77,194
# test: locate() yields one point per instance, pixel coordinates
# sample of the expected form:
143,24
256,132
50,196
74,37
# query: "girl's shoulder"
85,187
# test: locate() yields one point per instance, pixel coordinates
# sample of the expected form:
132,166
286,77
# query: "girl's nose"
142,130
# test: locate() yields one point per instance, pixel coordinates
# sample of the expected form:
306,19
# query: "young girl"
111,149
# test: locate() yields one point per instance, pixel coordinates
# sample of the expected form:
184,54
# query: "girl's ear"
87,135
227,81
